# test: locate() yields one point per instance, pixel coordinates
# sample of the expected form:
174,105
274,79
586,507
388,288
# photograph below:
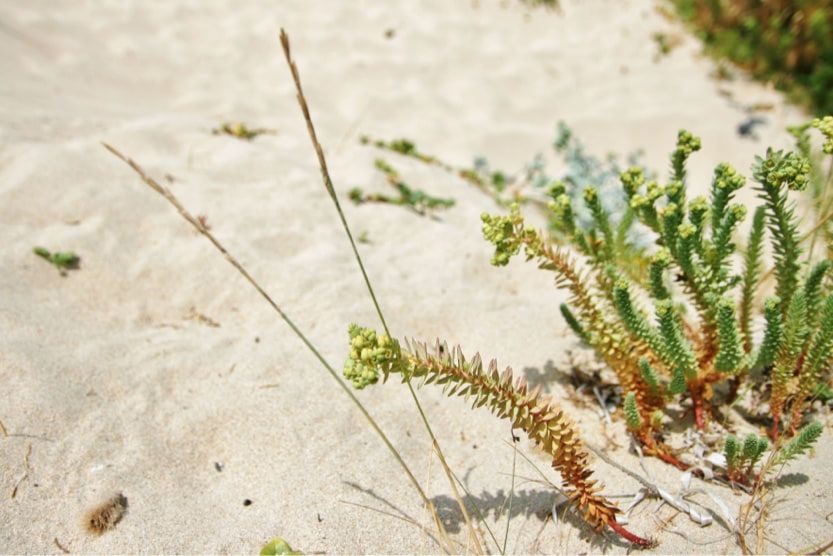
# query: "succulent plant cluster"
693,346
696,342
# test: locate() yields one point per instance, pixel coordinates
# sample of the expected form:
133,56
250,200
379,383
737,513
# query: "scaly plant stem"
184,213
697,403
372,355
826,211
328,185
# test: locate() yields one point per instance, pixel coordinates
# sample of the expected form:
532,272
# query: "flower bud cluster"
369,353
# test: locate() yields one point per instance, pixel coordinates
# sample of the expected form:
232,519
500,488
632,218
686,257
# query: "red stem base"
697,402
652,449
627,535
773,434
668,458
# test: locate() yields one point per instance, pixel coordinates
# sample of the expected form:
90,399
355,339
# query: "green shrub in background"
787,42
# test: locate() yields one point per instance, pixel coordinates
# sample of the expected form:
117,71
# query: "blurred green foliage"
278,547
787,42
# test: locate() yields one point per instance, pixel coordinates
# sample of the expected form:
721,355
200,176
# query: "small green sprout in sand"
62,260
241,131
419,201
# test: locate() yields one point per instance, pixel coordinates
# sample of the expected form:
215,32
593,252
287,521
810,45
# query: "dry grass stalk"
328,185
191,219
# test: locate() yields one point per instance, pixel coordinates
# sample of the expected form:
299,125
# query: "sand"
111,382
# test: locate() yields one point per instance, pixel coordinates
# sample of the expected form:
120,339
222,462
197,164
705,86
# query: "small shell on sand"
105,516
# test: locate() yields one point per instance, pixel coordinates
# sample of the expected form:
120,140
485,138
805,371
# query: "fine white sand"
114,386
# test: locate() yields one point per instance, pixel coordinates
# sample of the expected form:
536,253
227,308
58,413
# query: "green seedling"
62,260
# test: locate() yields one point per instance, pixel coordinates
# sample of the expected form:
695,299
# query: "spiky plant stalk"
777,173
813,291
686,373
788,357
650,377
773,333
632,416
573,323
751,275
731,358
605,243
742,458
802,443
819,357
372,355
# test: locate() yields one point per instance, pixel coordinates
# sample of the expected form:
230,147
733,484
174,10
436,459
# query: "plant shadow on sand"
527,503
791,479
545,375
536,503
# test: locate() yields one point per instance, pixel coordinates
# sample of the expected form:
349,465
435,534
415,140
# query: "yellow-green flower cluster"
370,353
825,125
562,209
687,143
507,233
632,179
727,178
778,169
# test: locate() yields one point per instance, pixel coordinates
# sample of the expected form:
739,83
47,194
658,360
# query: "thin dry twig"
26,467
61,547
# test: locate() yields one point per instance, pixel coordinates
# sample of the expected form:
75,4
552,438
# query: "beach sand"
111,382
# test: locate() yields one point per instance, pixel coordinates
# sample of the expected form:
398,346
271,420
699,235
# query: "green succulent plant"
698,332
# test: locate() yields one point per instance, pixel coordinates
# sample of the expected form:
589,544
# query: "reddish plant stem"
734,384
627,535
737,477
668,458
773,434
655,450
793,428
697,402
